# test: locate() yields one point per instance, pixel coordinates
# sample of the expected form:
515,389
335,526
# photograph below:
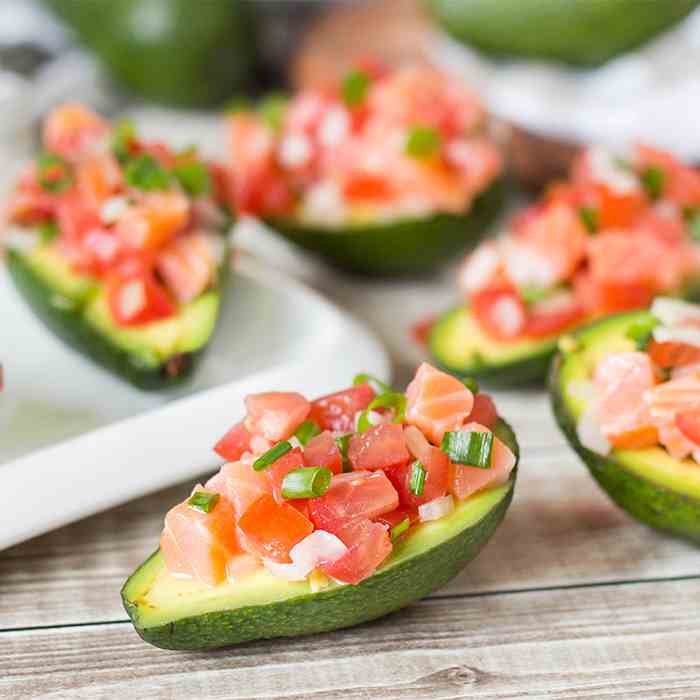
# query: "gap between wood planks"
434,598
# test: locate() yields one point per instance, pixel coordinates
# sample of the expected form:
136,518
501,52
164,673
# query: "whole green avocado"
579,32
174,51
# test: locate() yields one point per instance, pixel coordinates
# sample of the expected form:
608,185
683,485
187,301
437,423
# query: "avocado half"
153,356
580,32
649,484
405,247
182,614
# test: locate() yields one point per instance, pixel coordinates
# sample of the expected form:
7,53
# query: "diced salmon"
466,481
73,131
681,183
240,484
154,220
437,402
99,177
200,544
276,415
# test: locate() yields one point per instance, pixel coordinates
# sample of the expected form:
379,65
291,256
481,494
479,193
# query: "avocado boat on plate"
619,232
118,245
384,173
626,392
328,513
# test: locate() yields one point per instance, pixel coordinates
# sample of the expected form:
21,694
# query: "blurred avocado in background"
579,32
184,52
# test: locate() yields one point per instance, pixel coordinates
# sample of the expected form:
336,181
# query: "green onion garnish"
371,379
354,88
272,109
641,331
47,231
471,384
54,173
123,135
240,103
531,294
145,173
203,501
272,455
306,482
194,177
399,529
471,448
423,142
343,442
653,180
692,216
307,430
390,399
416,484
589,218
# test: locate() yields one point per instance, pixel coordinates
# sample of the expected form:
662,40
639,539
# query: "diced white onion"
320,546
132,298
688,335
113,209
479,268
436,509
334,127
294,442
509,316
324,203
672,312
607,171
589,431
295,151
525,266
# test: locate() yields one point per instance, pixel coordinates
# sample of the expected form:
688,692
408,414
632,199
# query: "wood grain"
616,641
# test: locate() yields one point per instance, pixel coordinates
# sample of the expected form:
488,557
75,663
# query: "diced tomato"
368,187
72,130
187,266
484,411
636,439
681,183
337,411
276,472
437,467
625,297
368,546
322,451
437,402
381,447
396,517
200,544
154,221
276,415
272,528
421,330
672,354
543,322
353,495
688,422
618,210
500,311
234,444
99,251
137,299
75,216
241,484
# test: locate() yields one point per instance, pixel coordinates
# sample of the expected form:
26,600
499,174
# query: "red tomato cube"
381,447
337,411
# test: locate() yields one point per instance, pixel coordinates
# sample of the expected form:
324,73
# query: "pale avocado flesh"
649,484
183,614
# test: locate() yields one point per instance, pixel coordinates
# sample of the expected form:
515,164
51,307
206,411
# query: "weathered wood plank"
561,530
618,641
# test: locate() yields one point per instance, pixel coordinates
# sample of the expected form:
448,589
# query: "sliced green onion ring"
306,482
307,430
343,442
390,399
400,528
471,448
379,386
203,501
416,484
272,455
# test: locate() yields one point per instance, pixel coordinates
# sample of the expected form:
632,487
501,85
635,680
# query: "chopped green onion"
622,163
371,379
423,142
306,482
653,180
194,177
307,430
272,455
389,399
240,103
123,135
354,88
589,218
399,529
145,173
532,294
54,173
416,484
47,231
471,448
692,216
471,384
640,332
343,442
203,501
272,109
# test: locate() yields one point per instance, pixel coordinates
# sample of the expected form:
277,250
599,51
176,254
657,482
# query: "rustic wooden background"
571,599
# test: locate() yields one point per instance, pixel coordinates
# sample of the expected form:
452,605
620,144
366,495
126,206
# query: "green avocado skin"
181,52
64,319
656,506
378,595
527,372
410,247
579,32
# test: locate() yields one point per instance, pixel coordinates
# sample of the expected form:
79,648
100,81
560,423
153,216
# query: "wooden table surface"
571,598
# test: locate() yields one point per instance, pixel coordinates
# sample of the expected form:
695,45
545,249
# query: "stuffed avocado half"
384,173
119,246
625,391
370,501
619,232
